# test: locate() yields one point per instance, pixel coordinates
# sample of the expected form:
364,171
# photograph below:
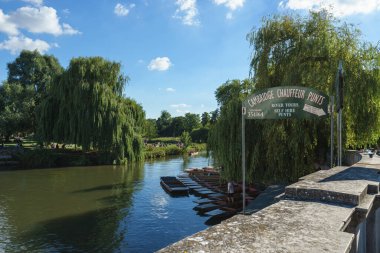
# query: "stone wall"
334,210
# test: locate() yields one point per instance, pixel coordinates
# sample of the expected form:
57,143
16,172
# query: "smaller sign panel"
284,102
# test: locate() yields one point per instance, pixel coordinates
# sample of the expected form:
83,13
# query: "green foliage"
16,109
150,128
214,116
290,50
198,146
31,74
192,121
31,68
305,51
225,135
177,126
167,140
163,123
205,118
86,108
155,152
200,135
185,139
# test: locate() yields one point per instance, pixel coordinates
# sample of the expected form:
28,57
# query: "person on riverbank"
230,191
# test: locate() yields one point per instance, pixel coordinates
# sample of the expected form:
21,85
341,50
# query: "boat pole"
243,153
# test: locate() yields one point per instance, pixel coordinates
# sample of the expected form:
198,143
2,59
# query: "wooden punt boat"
203,208
173,186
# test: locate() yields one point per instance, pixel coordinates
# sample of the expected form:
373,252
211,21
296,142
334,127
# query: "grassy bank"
31,157
172,149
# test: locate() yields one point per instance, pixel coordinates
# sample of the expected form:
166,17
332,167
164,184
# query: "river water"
95,209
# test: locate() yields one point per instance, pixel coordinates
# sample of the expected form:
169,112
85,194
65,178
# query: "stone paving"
314,215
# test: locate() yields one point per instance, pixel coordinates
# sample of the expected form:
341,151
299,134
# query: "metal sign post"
243,153
339,93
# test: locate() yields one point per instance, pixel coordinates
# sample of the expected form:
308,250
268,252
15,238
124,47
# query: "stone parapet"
334,210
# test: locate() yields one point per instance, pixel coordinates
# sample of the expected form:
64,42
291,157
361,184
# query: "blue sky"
176,52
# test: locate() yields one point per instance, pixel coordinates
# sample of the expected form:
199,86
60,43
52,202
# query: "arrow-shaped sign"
314,110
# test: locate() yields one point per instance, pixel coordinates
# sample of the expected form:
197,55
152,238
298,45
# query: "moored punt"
204,201
217,196
203,192
203,208
173,186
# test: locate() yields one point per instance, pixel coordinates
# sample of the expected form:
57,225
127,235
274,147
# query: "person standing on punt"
230,191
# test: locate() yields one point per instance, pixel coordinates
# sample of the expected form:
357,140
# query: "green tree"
16,109
163,123
205,118
34,72
178,125
150,128
31,68
86,107
225,134
200,135
185,139
192,121
214,116
304,51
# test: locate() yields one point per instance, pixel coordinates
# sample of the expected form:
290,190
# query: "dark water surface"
95,209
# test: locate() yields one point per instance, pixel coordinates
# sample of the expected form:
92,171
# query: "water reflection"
159,206
76,209
94,209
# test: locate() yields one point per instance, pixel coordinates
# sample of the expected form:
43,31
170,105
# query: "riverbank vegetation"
303,51
83,106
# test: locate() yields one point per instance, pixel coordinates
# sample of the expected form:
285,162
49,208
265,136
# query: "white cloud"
170,90
160,64
40,20
6,26
230,4
187,12
182,111
229,16
15,44
339,8
181,106
122,10
35,2
66,12
67,29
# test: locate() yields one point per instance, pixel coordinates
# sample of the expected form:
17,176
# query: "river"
95,209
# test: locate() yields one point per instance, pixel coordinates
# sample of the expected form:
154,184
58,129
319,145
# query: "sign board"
284,102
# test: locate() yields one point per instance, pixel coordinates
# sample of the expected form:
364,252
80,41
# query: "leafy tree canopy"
301,51
31,68
163,123
16,109
86,107
192,121
205,118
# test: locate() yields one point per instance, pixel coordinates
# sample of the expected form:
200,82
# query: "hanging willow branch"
86,107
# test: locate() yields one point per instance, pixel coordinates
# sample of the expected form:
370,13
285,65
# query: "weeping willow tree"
86,107
301,51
